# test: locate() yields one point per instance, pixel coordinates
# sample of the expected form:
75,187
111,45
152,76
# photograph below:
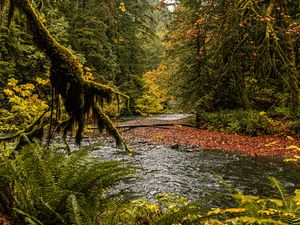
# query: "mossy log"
80,96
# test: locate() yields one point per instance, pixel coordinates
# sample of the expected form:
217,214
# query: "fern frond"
59,217
29,218
74,209
282,192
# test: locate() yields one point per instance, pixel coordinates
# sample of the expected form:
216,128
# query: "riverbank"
194,139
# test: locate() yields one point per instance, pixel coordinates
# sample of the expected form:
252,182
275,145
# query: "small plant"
284,209
167,208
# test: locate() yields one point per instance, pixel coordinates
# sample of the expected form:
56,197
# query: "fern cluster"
44,186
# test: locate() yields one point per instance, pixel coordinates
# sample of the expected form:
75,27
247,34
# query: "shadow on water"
197,174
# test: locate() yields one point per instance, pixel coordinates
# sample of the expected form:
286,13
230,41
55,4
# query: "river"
197,174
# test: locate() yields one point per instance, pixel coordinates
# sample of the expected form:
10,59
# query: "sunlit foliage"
155,92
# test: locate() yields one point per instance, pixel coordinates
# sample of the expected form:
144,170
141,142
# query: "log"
166,125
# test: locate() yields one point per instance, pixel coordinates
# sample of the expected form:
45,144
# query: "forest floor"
183,137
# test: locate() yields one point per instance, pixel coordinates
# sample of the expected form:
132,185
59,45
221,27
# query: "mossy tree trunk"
80,96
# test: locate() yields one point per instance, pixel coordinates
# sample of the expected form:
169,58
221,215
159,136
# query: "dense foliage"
236,54
46,186
112,40
155,94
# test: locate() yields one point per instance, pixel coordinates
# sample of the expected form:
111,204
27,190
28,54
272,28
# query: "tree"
114,37
236,54
155,93
90,25
134,28
79,96
186,51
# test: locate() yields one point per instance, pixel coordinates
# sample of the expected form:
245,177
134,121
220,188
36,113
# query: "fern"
281,191
75,210
49,187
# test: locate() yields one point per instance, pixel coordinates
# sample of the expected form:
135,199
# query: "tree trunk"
80,96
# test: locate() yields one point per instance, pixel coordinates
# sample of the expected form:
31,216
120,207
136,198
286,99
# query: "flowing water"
197,174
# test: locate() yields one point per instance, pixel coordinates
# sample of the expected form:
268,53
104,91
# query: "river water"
198,174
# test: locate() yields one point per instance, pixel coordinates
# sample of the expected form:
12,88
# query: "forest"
73,74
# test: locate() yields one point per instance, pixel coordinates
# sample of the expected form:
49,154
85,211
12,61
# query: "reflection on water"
196,174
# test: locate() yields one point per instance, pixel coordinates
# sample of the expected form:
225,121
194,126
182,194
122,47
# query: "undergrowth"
239,121
177,210
46,186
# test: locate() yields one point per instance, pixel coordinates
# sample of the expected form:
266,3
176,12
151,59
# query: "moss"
66,75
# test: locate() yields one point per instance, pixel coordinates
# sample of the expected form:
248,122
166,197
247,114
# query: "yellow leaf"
245,198
297,196
253,220
289,214
152,207
214,211
271,143
290,160
12,82
173,208
267,212
293,147
158,137
235,210
276,201
262,113
41,81
290,138
8,92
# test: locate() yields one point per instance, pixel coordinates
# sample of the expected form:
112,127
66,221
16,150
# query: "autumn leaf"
294,147
12,82
271,143
290,138
8,92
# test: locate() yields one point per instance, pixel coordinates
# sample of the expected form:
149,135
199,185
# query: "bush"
25,105
165,209
44,186
240,121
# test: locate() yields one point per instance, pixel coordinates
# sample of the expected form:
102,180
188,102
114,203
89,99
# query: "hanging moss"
79,96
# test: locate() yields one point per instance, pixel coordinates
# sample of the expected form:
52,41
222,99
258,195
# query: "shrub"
240,121
25,105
